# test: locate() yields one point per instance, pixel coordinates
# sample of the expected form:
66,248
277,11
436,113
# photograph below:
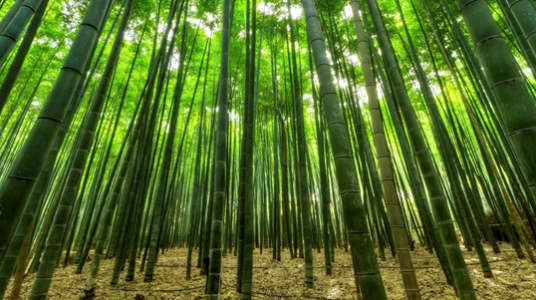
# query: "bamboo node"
522,131
507,81
489,38
465,5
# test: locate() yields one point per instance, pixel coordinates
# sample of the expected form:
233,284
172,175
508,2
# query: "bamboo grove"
234,127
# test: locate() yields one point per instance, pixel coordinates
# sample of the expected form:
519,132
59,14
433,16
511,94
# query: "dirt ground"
513,279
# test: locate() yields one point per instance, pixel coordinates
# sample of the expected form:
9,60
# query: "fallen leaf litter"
513,278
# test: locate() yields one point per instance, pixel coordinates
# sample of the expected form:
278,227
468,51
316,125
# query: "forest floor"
513,278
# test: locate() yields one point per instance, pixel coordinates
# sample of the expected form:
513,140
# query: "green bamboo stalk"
8,17
166,160
214,280
519,117
12,32
431,177
305,201
363,256
524,13
391,198
22,52
44,274
30,159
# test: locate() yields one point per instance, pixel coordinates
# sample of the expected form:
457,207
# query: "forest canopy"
225,128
